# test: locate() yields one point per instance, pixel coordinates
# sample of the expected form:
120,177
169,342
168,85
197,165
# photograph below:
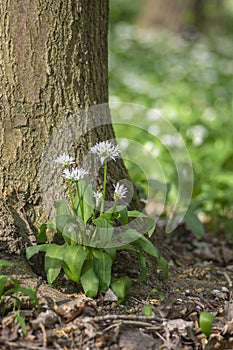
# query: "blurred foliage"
191,84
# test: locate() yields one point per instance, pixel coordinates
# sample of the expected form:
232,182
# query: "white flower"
120,191
98,197
65,159
106,150
74,174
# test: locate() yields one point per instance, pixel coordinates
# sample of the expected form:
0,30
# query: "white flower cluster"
65,160
74,174
106,150
120,191
98,197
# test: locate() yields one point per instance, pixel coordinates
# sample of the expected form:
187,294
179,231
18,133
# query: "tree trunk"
53,68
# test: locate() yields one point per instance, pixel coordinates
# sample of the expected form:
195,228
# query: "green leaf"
41,237
61,207
103,268
53,261
6,263
147,224
115,212
111,252
30,251
206,322
103,233
142,263
155,291
124,216
53,258
126,237
3,281
61,221
194,224
120,286
147,310
89,280
134,213
74,230
73,260
22,323
149,248
86,194
30,292
164,266
116,209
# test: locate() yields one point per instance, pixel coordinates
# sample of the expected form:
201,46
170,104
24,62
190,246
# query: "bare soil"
200,279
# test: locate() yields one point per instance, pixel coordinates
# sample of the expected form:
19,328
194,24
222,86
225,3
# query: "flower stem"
113,208
80,200
104,188
71,195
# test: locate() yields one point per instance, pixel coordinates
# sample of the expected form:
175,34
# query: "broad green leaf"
147,225
111,252
30,251
206,322
129,247
41,237
74,230
89,280
149,248
73,260
164,266
117,209
103,268
61,207
61,221
124,216
142,263
104,232
6,263
134,213
53,261
52,268
115,212
194,224
126,237
120,286
86,194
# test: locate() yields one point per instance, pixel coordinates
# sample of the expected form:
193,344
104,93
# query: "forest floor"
200,279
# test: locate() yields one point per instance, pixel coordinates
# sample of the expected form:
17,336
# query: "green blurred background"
176,57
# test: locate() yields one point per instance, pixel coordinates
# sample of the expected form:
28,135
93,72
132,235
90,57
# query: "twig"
132,323
161,337
42,327
229,281
126,317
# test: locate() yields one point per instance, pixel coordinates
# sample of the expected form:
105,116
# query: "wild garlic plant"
92,233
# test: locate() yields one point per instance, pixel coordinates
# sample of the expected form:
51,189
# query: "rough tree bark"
54,62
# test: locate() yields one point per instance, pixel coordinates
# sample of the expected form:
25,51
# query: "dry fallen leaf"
71,309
